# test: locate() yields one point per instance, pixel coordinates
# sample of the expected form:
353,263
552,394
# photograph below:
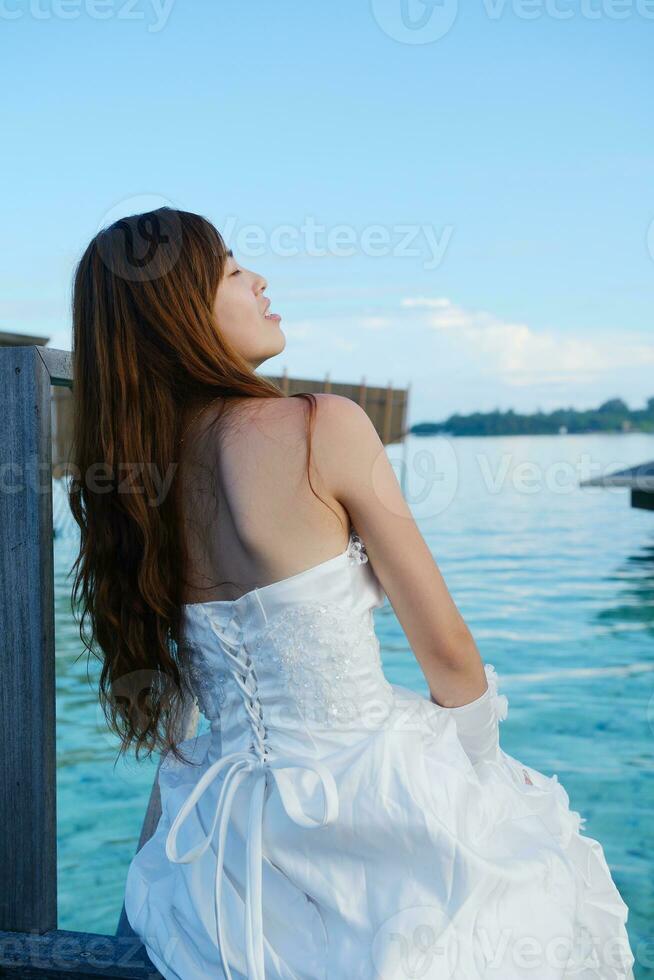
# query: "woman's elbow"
459,653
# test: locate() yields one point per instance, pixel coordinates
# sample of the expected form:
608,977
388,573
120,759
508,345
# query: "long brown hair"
147,353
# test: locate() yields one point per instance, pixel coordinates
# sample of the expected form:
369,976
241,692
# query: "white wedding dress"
333,828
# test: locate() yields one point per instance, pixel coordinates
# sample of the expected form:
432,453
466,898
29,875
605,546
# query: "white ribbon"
237,767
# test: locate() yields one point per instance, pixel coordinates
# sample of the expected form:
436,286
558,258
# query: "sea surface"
556,583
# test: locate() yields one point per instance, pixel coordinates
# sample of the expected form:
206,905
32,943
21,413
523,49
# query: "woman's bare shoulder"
246,418
339,410
293,408
255,425
277,421
344,430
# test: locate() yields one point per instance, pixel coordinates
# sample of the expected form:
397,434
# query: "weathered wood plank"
28,855
65,955
59,364
642,499
640,477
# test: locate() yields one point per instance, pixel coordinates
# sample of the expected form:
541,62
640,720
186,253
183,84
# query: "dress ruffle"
506,852
562,861
500,701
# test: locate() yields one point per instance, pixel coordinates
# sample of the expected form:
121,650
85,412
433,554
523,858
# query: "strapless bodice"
290,656
285,674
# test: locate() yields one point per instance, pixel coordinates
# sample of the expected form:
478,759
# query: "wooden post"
362,393
28,841
285,381
30,942
62,419
327,385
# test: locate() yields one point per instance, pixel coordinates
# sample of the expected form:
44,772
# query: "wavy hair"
147,353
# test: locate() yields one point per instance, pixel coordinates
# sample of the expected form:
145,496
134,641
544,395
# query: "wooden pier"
639,479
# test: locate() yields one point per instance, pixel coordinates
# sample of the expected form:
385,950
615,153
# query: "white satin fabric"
330,825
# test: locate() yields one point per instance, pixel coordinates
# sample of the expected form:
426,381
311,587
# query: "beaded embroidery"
356,550
207,684
316,646
313,644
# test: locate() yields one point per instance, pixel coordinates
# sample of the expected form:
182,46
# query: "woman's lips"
272,316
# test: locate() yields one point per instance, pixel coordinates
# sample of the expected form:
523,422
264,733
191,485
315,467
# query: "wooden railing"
386,406
31,945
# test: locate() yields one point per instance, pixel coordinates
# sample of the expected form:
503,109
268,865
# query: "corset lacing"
256,763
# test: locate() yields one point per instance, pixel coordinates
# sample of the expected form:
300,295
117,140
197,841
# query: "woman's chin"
271,350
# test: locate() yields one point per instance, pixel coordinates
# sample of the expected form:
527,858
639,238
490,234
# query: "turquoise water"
556,583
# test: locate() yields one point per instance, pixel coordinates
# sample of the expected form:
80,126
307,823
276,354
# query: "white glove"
477,723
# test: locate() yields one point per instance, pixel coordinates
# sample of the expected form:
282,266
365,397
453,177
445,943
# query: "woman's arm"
354,466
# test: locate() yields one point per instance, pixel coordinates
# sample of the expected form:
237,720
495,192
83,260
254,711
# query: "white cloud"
459,358
319,336
298,332
520,355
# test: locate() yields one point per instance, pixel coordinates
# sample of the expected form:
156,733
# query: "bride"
328,825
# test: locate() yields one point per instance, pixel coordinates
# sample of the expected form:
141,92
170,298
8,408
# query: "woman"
328,824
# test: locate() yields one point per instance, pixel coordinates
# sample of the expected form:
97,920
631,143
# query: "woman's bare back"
250,516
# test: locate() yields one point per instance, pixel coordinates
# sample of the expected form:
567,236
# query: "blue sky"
480,188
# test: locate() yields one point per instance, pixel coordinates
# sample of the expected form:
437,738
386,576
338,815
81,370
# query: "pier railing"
31,945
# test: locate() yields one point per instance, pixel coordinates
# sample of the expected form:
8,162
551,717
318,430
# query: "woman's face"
243,314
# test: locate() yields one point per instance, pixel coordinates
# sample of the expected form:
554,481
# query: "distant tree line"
612,416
